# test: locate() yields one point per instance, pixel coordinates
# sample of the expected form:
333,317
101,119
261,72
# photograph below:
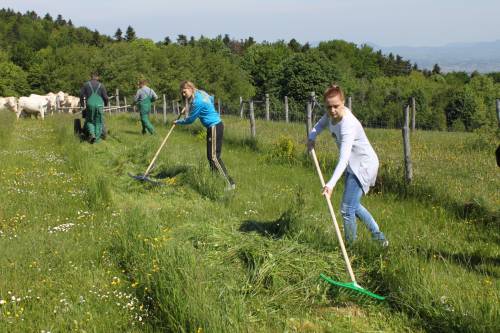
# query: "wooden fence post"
286,109
349,103
252,119
498,111
154,109
241,107
117,98
267,107
125,101
413,112
406,145
218,105
164,109
309,112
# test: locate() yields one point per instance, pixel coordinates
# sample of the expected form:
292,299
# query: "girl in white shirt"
357,160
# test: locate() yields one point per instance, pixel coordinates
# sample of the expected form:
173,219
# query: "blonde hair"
143,82
333,90
187,84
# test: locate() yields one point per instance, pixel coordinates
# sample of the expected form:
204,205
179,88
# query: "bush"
283,151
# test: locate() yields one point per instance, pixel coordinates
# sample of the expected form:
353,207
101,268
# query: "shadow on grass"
248,143
132,132
470,261
171,171
465,210
274,229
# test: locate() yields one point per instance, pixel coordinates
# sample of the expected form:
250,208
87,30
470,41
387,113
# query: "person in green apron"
94,97
143,98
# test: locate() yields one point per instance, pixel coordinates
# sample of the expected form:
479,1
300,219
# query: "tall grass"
195,258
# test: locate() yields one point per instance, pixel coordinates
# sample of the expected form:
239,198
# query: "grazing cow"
71,102
34,104
43,97
9,104
55,100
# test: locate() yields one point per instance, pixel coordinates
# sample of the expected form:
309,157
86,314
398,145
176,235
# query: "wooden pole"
309,112
241,107
164,109
252,120
125,101
154,109
498,111
286,109
334,220
218,105
267,107
413,112
349,102
117,98
406,145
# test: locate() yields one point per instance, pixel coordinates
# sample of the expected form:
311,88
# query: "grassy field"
86,248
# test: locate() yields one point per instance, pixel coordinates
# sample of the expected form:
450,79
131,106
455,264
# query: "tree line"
42,54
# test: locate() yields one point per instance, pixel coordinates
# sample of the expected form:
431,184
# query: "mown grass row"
439,306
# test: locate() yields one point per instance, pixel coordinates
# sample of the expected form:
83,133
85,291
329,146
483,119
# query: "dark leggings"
214,149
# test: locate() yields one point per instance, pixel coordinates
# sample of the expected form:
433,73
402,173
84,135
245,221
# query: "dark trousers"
214,149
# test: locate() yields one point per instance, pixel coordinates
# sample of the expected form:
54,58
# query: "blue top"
202,107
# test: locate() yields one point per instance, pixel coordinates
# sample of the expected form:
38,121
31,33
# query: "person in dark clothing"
93,97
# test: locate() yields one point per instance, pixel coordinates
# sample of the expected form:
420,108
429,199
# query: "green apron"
144,109
94,117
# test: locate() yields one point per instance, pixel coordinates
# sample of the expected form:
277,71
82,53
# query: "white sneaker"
385,243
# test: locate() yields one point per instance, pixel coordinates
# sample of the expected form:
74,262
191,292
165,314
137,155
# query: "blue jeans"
351,208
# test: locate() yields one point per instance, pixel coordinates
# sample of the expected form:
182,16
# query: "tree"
60,21
294,45
118,35
130,34
462,106
248,42
226,40
436,69
47,17
167,41
70,23
96,39
13,80
182,40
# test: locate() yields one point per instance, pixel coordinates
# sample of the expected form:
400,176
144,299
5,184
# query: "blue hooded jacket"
202,107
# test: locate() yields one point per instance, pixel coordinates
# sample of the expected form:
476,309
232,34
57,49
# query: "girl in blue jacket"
201,105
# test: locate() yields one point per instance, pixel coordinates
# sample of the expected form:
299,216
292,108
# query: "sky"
379,22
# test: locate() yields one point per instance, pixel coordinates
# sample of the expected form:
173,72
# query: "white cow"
35,104
71,102
9,104
55,100
42,97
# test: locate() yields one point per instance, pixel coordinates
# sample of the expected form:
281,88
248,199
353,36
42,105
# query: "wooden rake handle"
334,219
162,144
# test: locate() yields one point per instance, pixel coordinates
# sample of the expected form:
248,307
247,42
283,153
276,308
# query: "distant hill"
483,57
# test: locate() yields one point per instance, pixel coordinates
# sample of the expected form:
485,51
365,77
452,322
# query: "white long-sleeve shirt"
356,152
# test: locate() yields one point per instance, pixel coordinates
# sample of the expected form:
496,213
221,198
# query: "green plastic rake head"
352,286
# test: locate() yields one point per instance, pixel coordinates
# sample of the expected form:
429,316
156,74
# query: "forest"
42,54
